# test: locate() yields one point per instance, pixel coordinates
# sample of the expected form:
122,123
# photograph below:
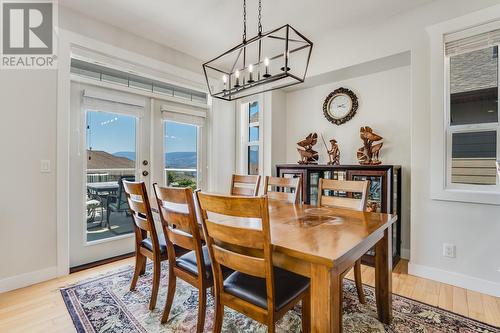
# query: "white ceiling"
205,28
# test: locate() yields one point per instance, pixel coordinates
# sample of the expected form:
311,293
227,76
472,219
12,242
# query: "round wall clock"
340,106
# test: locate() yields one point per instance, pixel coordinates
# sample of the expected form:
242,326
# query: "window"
251,137
181,154
111,158
472,127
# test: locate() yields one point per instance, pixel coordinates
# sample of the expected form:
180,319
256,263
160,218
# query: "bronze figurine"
369,153
307,154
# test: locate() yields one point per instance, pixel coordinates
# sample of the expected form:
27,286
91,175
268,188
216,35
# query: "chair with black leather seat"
181,229
350,201
146,246
237,233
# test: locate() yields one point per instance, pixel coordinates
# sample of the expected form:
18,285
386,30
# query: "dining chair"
245,185
279,188
176,207
237,232
146,246
350,201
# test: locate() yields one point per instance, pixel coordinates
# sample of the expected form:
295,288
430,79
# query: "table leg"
326,300
383,276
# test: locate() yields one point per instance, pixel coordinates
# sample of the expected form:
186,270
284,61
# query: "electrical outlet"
45,166
449,250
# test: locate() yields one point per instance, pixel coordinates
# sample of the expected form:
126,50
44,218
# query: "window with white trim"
471,124
251,131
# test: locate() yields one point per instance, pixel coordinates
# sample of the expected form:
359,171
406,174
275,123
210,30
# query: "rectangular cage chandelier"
268,61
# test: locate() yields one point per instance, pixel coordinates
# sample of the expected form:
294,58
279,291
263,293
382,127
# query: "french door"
115,137
109,145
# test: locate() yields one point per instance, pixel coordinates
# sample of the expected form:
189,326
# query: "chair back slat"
177,218
235,240
245,185
349,203
232,235
240,262
278,188
137,206
349,187
230,205
142,223
181,238
179,222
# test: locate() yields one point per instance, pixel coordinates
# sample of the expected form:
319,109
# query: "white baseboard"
405,254
27,279
455,279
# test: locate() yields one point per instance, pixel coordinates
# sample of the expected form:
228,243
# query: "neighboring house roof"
98,159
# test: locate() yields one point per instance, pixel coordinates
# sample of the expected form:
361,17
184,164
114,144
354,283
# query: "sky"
117,133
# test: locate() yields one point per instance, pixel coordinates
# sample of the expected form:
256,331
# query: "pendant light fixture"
271,60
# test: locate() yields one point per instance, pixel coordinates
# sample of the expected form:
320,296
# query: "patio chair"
117,202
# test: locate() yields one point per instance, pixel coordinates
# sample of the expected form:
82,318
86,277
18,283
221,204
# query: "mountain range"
177,160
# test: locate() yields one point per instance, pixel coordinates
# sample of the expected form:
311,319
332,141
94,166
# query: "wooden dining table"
323,244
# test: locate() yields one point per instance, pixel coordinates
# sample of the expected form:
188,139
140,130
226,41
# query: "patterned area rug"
105,304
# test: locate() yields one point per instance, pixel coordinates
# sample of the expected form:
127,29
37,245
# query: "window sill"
468,196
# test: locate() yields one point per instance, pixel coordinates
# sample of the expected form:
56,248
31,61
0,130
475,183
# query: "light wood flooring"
40,308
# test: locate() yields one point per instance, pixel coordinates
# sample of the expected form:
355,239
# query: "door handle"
145,173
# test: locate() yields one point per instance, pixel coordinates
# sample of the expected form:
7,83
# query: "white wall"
28,198
384,105
221,146
274,131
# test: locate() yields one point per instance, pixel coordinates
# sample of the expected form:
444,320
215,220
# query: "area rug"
105,304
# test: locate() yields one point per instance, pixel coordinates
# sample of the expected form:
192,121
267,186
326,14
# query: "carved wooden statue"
333,153
307,154
369,153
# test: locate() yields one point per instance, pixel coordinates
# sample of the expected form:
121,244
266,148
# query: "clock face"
340,106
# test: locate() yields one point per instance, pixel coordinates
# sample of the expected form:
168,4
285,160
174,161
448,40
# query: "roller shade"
183,114
473,43
104,100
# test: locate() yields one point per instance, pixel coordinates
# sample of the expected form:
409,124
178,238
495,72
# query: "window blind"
472,43
184,115
104,100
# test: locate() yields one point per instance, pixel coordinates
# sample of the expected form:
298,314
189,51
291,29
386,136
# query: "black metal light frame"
234,93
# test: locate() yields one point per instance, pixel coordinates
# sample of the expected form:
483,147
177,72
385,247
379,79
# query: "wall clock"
340,106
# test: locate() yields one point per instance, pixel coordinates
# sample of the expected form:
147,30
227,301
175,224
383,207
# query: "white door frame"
66,43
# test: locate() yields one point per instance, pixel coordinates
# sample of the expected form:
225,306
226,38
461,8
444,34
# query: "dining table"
323,244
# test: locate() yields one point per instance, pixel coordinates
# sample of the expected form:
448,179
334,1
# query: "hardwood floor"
40,308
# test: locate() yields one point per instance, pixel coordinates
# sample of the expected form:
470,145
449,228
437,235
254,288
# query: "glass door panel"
180,146
111,156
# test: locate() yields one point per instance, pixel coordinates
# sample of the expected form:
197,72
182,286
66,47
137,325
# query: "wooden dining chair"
244,185
278,188
146,246
350,201
182,231
256,288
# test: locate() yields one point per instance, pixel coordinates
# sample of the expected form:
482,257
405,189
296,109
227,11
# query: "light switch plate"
45,166
449,250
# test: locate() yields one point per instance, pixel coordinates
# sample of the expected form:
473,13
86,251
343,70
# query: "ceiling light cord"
260,17
244,21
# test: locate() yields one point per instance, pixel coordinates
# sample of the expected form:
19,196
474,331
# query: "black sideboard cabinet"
384,195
